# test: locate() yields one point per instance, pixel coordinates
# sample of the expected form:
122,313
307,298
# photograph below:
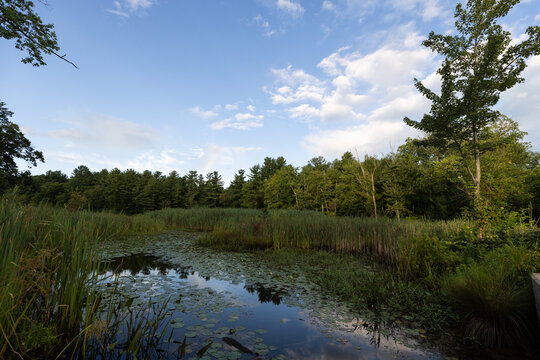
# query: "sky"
210,85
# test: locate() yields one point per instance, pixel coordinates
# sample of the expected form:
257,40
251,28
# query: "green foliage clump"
48,259
494,296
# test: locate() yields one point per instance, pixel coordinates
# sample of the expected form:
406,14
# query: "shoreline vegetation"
447,224
431,277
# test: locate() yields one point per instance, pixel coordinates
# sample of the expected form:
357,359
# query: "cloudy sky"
219,85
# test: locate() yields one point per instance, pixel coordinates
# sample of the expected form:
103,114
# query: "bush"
495,296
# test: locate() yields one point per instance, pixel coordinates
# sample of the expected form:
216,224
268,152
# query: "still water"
219,305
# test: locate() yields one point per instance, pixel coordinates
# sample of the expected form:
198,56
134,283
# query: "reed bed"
47,259
415,248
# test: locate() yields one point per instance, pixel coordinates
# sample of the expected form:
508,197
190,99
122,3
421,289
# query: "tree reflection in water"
144,263
266,294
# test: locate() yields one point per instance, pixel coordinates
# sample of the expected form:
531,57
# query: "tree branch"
47,50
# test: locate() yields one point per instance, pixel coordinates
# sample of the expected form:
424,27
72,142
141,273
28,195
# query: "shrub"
495,296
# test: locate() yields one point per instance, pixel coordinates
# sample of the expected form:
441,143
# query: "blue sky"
218,85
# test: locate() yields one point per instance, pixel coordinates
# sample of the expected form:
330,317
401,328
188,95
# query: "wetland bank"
280,284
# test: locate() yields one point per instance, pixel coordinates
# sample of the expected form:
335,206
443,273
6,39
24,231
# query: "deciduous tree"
480,62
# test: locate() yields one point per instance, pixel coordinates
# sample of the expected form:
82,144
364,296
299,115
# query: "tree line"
416,180
471,157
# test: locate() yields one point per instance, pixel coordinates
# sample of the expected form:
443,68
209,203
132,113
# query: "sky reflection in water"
271,320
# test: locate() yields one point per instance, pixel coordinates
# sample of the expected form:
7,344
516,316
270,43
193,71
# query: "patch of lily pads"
204,316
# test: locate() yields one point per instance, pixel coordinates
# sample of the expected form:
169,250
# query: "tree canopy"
480,62
19,22
13,145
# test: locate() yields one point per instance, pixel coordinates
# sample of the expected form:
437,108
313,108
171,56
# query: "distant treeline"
417,180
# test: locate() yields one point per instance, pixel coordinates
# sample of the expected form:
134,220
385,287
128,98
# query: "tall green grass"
47,260
492,294
415,248
48,256
494,297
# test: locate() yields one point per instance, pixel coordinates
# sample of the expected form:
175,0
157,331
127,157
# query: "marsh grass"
494,297
48,262
49,259
492,294
417,249
379,296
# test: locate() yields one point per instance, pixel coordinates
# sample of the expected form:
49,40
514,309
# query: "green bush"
494,296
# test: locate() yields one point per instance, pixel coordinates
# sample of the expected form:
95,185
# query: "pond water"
220,305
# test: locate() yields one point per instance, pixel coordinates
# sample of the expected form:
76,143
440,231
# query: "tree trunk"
477,173
373,193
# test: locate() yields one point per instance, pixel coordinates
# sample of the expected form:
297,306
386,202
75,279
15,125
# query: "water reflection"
266,294
144,264
240,304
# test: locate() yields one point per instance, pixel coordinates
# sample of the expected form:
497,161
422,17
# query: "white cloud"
106,131
427,9
66,157
127,7
224,159
250,108
356,86
522,102
304,111
297,86
293,8
328,6
240,121
231,107
387,66
265,25
371,91
537,17
371,138
165,160
135,5
205,114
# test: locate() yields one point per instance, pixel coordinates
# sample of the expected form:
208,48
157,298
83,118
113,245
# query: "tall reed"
415,248
47,259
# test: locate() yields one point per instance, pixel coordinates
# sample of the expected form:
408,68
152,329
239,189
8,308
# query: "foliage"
480,62
13,145
495,297
417,181
48,261
20,22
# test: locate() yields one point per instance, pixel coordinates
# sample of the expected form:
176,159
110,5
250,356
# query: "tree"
480,62
318,189
280,191
213,189
365,176
19,21
13,145
233,194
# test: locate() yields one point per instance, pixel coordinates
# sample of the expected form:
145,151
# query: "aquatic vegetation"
415,248
47,258
231,304
50,258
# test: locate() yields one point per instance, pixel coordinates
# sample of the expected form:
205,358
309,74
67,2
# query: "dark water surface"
240,303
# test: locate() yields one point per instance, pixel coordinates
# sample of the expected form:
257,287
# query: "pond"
221,305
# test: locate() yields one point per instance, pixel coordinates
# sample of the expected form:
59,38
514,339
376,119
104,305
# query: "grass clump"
48,261
495,298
